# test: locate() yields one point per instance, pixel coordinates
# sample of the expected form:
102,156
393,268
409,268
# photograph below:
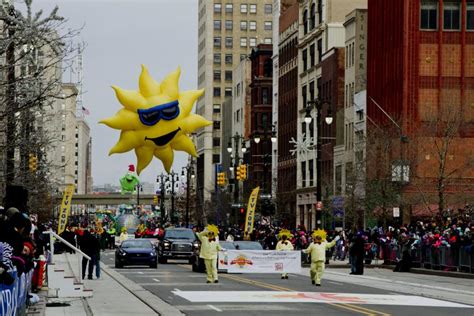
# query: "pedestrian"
90,246
284,245
123,235
111,232
209,249
317,249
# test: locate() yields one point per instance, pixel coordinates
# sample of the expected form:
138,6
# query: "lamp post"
318,105
189,170
161,179
237,138
139,187
173,177
267,135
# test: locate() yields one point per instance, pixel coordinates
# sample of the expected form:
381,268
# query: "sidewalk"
114,294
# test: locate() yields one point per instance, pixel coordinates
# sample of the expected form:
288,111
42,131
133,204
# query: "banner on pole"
65,207
261,261
249,218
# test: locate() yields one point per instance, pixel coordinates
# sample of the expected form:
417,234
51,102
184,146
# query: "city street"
267,294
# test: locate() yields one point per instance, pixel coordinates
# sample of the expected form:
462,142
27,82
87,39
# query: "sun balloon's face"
156,120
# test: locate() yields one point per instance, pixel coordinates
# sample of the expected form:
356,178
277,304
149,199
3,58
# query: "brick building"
421,86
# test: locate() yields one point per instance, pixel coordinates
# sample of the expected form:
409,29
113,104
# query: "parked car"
177,243
198,263
136,252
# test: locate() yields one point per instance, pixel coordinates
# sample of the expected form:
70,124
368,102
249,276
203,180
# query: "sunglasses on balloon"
151,116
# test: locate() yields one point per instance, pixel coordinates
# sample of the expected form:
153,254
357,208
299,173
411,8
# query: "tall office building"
228,30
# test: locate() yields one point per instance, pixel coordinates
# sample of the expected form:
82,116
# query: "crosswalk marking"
312,297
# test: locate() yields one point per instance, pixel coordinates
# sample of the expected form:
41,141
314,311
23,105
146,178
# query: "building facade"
420,86
228,30
287,105
83,153
321,29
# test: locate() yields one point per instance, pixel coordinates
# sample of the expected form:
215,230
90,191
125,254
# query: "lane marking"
351,308
214,308
139,272
337,283
156,280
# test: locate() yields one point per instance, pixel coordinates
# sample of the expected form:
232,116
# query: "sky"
120,35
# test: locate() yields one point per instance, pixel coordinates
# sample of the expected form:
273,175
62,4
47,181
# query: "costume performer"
317,249
284,245
209,249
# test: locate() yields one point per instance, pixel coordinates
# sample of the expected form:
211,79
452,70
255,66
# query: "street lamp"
318,104
189,175
237,138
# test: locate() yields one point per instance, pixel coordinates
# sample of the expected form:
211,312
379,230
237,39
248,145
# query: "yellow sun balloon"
155,120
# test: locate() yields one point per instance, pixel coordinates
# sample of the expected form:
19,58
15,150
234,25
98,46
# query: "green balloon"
129,183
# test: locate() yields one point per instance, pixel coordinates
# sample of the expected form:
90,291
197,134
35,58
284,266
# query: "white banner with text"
260,261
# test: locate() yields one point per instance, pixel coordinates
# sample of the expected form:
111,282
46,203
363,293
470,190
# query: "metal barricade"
466,262
416,257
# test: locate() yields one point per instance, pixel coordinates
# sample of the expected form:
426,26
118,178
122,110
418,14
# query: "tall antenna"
78,71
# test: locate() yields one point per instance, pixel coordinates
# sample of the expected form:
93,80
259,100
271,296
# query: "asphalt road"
177,285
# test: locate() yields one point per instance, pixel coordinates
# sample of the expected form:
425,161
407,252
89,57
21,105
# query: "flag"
85,111
65,206
251,213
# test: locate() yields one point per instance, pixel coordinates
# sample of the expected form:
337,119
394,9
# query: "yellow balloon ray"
161,130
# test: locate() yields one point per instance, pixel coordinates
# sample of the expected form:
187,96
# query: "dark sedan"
136,252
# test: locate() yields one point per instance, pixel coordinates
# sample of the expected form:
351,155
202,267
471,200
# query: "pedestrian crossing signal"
33,162
221,178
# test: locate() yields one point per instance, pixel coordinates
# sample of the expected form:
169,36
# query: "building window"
268,9
217,7
217,92
303,173
268,25
216,125
237,89
229,8
217,25
228,59
429,15
243,8
243,25
216,108
320,11
228,25
312,59
268,40
217,42
228,92
305,98
311,172
470,16
253,41
216,158
305,22
312,17
253,25
253,8
320,50
228,42
217,58
265,96
360,115
305,59
451,15
243,42
216,141
228,75
217,75
311,90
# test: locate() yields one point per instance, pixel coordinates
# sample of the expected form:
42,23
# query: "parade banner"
249,218
261,261
13,297
65,207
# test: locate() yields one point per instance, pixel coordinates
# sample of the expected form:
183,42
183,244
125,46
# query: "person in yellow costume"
209,249
317,249
123,235
284,245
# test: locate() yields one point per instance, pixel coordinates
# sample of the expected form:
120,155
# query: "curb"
451,274
154,302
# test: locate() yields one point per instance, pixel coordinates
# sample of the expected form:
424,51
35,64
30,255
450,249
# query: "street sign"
236,205
396,212
319,206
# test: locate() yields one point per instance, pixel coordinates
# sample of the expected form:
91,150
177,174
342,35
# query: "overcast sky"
121,35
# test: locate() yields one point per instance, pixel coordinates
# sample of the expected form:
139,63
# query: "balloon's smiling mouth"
165,139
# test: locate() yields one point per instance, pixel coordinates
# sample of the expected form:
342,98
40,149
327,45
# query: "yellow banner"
251,212
65,207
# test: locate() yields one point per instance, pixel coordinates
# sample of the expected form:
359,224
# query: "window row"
244,8
228,59
227,92
350,55
429,13
244,25
244,42
312,57
309,18
218,75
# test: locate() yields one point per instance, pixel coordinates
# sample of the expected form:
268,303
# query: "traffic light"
237,174
243,172
33,162
242,210
155,199
221,178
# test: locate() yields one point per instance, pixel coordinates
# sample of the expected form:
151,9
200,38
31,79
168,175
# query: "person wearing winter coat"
317,250
209,249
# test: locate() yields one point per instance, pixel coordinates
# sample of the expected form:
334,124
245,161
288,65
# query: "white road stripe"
214,308
156,280
337,283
